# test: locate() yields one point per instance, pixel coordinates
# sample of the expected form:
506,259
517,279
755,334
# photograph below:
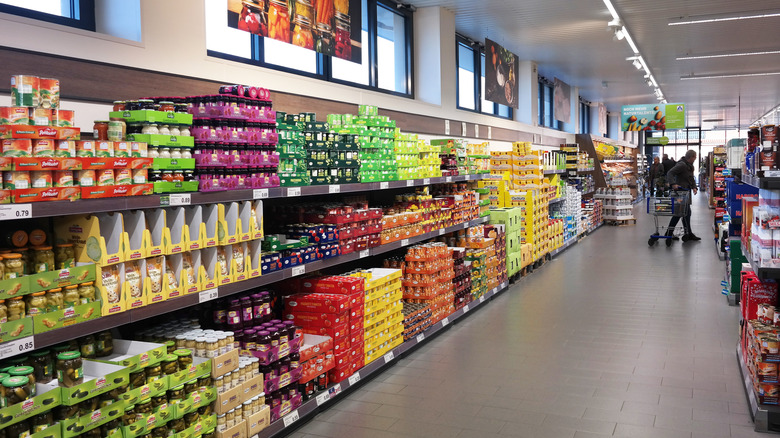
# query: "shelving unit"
766,418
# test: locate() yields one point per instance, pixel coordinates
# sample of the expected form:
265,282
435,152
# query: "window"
385,48
584,117
471,61
74,13
545,105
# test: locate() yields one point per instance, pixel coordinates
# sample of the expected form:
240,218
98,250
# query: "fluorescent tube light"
612,10
728,55
726,76
700,19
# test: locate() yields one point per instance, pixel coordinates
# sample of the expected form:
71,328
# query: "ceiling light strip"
727,55
701,19
727,76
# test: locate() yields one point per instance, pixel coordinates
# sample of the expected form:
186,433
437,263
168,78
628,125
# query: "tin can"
63,178
16,180
65,118
86,177
17,148
41,179
25,90
140,176
85,148
65,148
14,115
124,176
41,117
105,177
105,149
50,92
122,149
43,148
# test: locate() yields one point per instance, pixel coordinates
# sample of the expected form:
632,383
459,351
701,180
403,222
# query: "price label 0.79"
16,347
15,211
291,418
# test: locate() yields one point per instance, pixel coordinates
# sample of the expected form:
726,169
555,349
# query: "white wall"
174,41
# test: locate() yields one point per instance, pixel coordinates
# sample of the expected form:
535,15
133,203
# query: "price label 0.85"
16,347
15,211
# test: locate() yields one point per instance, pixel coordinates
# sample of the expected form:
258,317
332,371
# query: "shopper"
657,177
682,177
668,163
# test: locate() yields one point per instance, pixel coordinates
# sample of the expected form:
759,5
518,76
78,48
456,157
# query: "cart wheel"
651,241
669,242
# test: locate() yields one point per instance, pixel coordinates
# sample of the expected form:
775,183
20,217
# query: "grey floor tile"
585,425
358,420
617,416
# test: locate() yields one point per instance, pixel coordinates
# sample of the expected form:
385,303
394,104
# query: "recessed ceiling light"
725,76
700,19
727,55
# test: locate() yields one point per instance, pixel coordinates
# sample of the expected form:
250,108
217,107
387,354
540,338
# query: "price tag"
468,177
291,418
208,295
441,231
426,181
354,378
179,199
384,185
298,270
444,322
482,298
389,357
448,179
334,188
17,346
364,253
409,182
293,191
466,308
15,211
420,337
259,193
465,225
771,173
322,398
405,242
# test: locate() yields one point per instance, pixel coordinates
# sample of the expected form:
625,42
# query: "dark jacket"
668,164
657,171
682,175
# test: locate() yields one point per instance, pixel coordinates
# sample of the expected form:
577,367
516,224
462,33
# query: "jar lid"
40,353
4,376
178,388
15,382
170,357
169,342
12,255
38,294
89,283
130,408
42,248
71,287
101,121
211,339
69,355
64,245
21,371
182,352
56,289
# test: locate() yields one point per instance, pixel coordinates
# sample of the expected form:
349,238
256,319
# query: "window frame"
478,51
545,84
324,68
86,12
585,116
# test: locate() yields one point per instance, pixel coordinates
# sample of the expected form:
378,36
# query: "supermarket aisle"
610,339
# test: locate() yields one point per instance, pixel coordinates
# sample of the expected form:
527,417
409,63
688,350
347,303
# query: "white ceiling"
569,40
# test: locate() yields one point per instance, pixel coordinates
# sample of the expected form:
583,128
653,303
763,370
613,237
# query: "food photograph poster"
330,27
501,67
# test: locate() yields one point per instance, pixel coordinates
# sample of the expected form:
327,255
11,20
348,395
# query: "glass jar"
146,104
64,256
129,416
36,303
174,130
221,422
302,36
69,369
342,40
205,411
18,430
159,401
279,20
153,372
3,312
170,364
170,346
41,421
190,387
87,347
205,383
176,394
137,379
43,259
14,268
167,106
191,419
165,152
176,153
184,357
55,300
87,292
181,341
247,409
17,389
212,347
143,408
27,259
71,295
16,309
230,418
324,43
177,425
100,130
104,344
164,130
160,432
150,129
24,371
219,384
43,365
111,427
119,105
184,131
228,383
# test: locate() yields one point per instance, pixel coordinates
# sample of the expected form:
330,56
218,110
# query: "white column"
528,93
434,56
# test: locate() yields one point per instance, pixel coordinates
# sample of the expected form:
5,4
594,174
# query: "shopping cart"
676,204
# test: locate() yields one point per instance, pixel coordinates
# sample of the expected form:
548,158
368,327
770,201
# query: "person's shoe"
686,238
676,238
693,237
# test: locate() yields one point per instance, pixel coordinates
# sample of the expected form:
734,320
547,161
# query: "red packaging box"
340,374
333,285
358,350
356,337
314,345
318,320
356,313
319,303
336,333
341,344
357,299
343,357
755,292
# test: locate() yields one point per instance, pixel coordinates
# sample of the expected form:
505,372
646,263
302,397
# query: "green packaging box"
75,426
200,367
150,116
47,398
163,140
14,287
135,355
99,378
66,317
16,329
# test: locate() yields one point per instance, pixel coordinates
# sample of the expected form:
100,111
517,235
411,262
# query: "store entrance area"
611,338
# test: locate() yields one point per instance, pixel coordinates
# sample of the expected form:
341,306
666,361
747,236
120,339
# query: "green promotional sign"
657,141
653,117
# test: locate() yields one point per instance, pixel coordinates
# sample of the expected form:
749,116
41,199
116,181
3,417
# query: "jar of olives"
64,256
69,369
43,259
129,416
72,296
104,344
184,357
17,389
43,366
153,372
14,268
55,300
87,292
170,364
36,303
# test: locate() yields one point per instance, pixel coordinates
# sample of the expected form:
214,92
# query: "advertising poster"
562,101
652,117
501,67
331,27
602,119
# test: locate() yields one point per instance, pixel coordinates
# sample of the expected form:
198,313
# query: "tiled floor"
612,338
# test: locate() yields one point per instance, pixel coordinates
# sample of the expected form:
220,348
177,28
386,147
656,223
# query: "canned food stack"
478,155
428,273
35,101
292,148
331,158
449,152
415,158
235,139
417,319
375,137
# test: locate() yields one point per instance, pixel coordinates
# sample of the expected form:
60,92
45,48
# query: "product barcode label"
409,182
364,253
354,378
298,270
444,322
208,295
420,337
293,191
405,242
322,398
448,179
389,357
15,211
259,193
384,185
466,308
482,298
334,188
16,347
291,418
441,231
426,181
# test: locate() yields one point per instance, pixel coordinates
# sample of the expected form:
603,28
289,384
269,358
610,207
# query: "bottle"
219,315
267,305
262,341
257,309
247,312
250,340
234,315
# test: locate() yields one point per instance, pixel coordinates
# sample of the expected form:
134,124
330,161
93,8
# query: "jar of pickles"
3,312
129,416
64,256
190,387
71,295
87,292
153,372
104,344
55,300
176,394
43,366
25,371
16,308
170,364
184,357
137,379
143,408
159,401
17,389
324,43
41,421
279,20
87,347
43,259
69,369
14,268
36,303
